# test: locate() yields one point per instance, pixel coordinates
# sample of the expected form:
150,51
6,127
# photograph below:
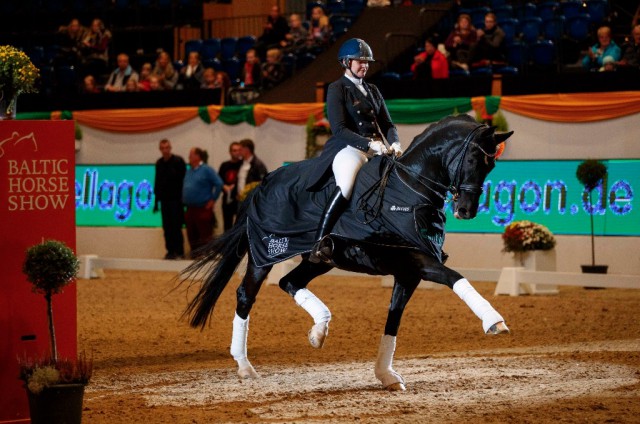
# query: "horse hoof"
396,387
318,334
248,373
499,328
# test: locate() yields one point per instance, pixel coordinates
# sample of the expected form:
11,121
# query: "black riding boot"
321,252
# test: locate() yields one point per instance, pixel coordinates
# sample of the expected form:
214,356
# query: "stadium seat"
232,67
503,12
553,28
477,16
510,28
543,55
597,10
212,63
228,47
531,29
354,7
244,43
571,8
577,27
194,45
210,48
548,9
340,24
335,7
289,62
517,55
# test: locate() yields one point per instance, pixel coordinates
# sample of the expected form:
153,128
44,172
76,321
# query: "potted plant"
591,173
523,236
55,386
17,75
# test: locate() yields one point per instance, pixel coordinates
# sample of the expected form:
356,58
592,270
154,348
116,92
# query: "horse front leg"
295,283
402,292
492,321
246,297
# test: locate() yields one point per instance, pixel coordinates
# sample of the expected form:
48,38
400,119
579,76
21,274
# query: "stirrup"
322,251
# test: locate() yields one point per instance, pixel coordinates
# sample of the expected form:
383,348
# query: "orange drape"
292,113
135,120
581,107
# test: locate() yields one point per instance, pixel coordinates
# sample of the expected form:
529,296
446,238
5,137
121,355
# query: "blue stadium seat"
553,28
244,43
228,47
340,24
571,8
335,7
390,76
527,10
482,70
214,63
354,7
510,27
194,45
503,12
457,72
210,48
543,55
477,16
232,67
577,27
548,9
517,54
597,9
531,29
289,61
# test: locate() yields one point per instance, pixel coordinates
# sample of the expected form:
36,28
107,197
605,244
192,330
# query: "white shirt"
357,82
242,174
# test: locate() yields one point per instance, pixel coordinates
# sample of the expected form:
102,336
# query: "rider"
361,128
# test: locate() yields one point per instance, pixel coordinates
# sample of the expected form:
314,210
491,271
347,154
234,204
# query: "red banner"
37,203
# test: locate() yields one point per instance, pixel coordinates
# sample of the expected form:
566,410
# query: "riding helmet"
354,48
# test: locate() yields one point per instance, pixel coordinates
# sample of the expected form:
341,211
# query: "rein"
379,187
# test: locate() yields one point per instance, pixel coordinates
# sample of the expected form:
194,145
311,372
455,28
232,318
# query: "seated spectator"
631,51
90,86
191,75
460,40
296,38
272,70
209,78
131,86
118,79
95,49
605,47
319,29
251,74
156,83
430,64
165,70
490,46
145,73
275,30
70,39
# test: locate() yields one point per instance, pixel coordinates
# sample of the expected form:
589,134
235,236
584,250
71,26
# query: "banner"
36,204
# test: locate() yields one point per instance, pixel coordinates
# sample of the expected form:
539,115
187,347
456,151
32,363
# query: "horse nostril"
462,212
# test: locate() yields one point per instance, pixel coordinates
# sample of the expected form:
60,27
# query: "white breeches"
345,167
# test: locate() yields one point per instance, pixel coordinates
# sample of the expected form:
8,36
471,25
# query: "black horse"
393,226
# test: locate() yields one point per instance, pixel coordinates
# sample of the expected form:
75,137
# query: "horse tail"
217,262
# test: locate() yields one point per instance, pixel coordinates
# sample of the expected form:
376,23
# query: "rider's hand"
396,148
377,147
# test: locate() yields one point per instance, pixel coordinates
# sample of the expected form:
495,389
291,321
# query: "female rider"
361,128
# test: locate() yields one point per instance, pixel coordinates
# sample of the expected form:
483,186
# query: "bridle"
455,188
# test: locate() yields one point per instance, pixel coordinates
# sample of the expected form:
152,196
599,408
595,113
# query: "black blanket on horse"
393,215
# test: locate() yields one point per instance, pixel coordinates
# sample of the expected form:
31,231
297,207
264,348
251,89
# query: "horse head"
477,158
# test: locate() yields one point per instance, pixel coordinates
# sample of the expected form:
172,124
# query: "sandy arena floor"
571,358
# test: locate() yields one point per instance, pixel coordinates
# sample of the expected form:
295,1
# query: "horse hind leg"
295,283
246,296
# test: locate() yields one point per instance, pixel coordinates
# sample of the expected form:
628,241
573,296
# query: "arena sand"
571,358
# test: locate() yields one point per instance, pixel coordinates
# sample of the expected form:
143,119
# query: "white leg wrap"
314,306
478,304
384,370
239,347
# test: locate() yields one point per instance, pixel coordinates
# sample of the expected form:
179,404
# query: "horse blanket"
283,215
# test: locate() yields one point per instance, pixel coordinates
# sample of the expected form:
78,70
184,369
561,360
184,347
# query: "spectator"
252,169
90,86
459,42
121,75
191,76
217,79
605,47
201,188
251,74
164,69
319,29
296,38
631,51
131,86
95,49
430,64
229,173
144,84
275,30
170,172
209,78
70,40
272,70
155,83
490,46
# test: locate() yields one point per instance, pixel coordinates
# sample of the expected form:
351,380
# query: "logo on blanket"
395,208
434,237
276,245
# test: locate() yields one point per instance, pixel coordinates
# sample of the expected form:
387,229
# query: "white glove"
377,148
396,148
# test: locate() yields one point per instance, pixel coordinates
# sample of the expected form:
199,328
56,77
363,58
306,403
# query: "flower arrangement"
315,129
520,236
17,75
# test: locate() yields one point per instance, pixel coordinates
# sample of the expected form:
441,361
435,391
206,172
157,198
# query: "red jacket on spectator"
439,66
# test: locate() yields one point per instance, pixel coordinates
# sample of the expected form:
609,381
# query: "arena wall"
278,142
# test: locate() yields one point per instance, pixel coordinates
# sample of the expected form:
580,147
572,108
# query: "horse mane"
427,137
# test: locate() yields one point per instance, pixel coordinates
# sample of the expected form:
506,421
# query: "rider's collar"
356,81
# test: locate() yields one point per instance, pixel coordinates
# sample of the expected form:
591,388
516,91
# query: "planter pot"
7,106
594,269
59,404
531,260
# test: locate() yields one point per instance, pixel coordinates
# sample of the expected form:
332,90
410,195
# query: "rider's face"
359,67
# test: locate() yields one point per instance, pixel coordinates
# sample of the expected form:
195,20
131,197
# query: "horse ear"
500,137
